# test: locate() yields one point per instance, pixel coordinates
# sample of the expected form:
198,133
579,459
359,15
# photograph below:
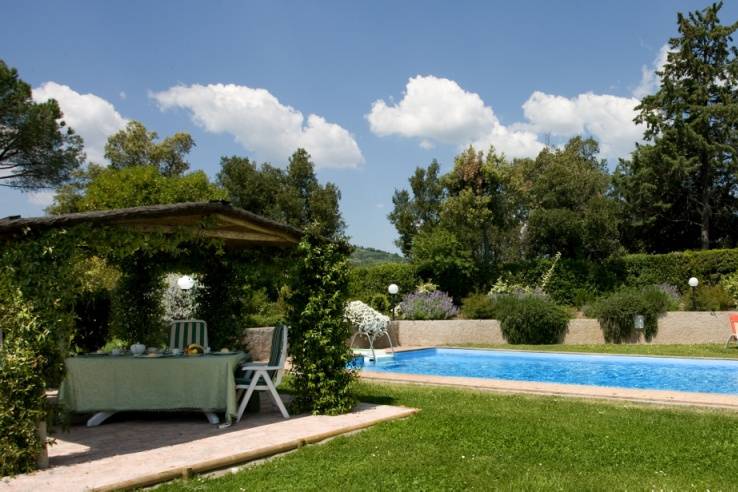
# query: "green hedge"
366,282
531,319
676,268
577,282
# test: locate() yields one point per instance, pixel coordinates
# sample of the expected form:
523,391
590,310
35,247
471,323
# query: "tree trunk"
705,226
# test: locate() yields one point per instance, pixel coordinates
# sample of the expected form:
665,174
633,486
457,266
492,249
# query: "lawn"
700,350
465,439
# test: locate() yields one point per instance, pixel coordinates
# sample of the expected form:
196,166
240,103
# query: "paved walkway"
162,447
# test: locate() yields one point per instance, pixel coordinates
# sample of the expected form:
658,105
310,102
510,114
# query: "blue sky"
373,89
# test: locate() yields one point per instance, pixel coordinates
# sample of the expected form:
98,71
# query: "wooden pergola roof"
237,227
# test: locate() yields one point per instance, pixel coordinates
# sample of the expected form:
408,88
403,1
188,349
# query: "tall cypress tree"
679,189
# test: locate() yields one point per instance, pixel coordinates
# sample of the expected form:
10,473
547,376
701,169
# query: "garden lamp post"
393,289
693,283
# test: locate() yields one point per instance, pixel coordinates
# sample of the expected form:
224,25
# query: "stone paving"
136,445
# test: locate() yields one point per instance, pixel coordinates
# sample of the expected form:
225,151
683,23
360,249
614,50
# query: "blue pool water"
664,373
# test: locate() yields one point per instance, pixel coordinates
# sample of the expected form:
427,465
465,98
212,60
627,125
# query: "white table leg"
99,418
212,417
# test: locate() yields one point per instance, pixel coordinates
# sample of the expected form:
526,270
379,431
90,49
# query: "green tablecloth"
110,383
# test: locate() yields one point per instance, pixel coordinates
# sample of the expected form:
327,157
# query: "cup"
176,351
206,350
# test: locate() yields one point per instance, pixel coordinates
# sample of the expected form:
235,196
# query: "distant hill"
370,256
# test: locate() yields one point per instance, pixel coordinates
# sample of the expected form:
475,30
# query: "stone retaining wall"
678,327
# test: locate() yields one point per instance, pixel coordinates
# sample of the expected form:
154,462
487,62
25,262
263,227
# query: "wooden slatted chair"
186,331
265,377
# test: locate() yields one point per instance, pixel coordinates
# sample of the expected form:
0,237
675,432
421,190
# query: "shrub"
616,312
380,302
22,398
92,325
365,282
675,268
708,298
531,319
478,306
427,305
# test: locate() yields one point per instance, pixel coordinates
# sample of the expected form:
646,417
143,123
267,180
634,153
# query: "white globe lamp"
185,282
693,282
393,289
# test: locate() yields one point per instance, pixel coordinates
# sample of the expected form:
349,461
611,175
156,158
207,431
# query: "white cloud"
607,118
263,125
91,116
649,79
436,110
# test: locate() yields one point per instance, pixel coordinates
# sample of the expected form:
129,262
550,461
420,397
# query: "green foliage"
37,149
292,196
318,330
616,312
531,319
380,302
365,282
568,207
421,212
137,311
362,257
106,188
678,189
135,146
478,306
92,325
730,284
708,298
439,256
22,383
676,268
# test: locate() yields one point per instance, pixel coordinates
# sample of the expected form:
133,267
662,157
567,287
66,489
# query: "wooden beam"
255,227
242,236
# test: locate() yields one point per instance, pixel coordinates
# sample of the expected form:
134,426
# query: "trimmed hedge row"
366,282
576,282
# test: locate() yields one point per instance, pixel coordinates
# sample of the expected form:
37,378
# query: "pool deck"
647,396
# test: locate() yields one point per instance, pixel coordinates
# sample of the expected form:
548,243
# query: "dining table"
104,384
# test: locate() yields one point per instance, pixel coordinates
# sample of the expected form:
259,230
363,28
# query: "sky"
371,89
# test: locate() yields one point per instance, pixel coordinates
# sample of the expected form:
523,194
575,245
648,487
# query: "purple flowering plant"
427,305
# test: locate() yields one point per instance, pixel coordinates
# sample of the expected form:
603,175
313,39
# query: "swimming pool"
662,373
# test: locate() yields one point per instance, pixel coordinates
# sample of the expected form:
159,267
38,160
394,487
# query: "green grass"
702,350
463,439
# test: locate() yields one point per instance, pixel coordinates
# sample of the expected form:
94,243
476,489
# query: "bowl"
138,348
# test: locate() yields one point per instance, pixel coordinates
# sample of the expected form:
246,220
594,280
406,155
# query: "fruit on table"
194,348
225,350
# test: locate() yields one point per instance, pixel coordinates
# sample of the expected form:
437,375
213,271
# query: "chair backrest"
278,354
186,331
734,324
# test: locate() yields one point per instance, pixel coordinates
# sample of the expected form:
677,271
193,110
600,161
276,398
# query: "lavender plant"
427,305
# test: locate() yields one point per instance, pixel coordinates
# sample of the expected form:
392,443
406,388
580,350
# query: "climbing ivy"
318,330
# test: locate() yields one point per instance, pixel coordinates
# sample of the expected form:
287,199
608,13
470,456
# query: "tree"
108,188
293,196
136,146
441,258
422,211
569,207
37,149
679,190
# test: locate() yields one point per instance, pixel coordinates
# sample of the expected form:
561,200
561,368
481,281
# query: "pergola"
216,219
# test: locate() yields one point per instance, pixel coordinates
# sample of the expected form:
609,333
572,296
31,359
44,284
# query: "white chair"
187,331
270,374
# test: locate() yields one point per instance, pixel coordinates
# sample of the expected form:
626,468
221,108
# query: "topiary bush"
615,312
427,305
478,306
531,319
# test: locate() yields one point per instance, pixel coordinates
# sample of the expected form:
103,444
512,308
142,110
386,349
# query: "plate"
223,353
